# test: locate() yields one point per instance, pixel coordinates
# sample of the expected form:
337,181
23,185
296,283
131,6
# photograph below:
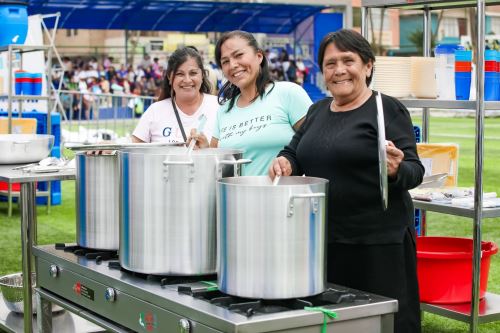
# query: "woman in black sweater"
369,248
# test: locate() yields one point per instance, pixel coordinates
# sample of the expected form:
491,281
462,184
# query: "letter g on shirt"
167,131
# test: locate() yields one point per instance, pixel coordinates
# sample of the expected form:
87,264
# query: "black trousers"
388,269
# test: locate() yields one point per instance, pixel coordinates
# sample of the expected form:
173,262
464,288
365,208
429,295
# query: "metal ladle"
202,121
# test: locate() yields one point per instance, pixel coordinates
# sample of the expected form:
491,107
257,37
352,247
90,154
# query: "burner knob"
110,295
53,271
184,326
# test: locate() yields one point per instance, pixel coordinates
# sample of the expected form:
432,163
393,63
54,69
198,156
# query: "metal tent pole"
478,186
427,53
364,23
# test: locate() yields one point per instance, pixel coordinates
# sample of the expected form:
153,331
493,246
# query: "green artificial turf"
59,225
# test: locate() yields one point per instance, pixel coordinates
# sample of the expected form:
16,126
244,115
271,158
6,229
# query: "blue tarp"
185,16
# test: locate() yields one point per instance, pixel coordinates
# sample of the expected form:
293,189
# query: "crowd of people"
95,76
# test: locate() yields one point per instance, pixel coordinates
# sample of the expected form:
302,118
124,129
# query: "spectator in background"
108,61
301,67
291,72
146,62
93,63
122,72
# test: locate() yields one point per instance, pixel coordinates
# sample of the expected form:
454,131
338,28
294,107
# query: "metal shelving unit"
11,97
488,309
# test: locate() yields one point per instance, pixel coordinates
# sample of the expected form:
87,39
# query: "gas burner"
250,307
163,280
91,254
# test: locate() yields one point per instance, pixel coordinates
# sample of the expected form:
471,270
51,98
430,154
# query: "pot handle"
312,196
25,143
234,163
167,163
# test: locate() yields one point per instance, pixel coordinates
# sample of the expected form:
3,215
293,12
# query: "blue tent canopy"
186,16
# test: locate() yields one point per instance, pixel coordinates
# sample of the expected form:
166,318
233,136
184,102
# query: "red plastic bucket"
444,269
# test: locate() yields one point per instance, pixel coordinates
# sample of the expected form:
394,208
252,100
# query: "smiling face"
240,63
345,74
186,80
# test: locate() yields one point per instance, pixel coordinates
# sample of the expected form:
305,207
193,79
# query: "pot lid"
121,146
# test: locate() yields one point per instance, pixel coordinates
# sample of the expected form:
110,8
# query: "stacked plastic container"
463,75
445,71
491,85
27,83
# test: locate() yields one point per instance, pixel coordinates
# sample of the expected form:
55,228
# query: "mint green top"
264,127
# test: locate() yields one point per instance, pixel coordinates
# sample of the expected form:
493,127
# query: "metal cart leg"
9,200
28,220
43,314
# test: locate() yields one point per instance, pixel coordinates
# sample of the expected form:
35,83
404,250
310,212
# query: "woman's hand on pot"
199,137
280,167
394,157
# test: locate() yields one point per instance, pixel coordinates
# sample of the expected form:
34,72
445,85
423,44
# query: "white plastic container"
423,78
445,70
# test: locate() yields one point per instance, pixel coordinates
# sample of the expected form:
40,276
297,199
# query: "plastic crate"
41,128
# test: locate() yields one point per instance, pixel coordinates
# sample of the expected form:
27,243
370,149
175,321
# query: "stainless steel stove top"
121,301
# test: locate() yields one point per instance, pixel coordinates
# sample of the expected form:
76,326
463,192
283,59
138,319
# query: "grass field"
59,225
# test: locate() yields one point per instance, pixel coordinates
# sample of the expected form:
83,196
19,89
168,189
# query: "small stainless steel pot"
97,186
167,214
97,201
271,239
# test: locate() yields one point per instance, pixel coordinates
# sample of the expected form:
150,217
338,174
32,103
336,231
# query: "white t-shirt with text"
159,124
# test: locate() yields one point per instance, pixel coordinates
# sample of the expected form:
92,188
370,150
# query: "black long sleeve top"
342,147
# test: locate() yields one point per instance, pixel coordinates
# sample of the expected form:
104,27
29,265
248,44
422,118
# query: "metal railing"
93,117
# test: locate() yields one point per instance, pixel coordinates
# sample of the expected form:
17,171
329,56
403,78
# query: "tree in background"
417,37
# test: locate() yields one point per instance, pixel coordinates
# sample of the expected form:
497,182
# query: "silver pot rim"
182,151
265,181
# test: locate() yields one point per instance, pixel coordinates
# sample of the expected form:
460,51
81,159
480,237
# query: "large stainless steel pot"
271,239
97,199
24,148
167,214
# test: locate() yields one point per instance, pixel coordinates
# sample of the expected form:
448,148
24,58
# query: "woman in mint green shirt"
257,115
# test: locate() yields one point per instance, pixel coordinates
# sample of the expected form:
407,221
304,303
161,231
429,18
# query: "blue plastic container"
463,55
490,86
13,22
490,55
36,84
462,85
20,80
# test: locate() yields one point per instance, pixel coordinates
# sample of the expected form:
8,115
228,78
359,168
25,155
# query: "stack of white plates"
393,76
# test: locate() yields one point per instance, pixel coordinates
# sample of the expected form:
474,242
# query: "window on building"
462,26
71,32
495,25
356,17
378,19
449,27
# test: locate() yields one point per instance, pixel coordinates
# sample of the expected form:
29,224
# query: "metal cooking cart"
28,227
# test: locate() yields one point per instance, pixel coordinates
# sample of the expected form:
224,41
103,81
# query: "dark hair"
347,40
176,59
228,92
